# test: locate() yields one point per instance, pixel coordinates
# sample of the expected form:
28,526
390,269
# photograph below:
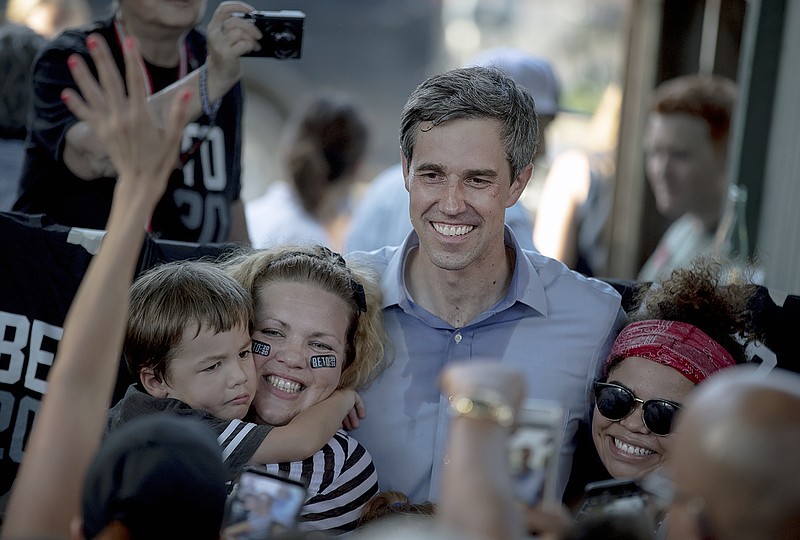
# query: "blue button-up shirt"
554,325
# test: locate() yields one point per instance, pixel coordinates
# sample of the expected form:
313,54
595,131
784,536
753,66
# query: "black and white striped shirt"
341,478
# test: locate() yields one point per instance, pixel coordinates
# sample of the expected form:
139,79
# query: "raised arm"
477,495
308,432
69,425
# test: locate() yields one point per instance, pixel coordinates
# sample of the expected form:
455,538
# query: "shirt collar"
526,286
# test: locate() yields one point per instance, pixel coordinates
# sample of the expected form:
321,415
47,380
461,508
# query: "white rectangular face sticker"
326,361
260,348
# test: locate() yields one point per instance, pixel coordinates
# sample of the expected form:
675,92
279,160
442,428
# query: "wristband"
209,109
483,405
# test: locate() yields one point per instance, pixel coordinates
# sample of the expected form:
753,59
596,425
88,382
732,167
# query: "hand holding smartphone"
533,451
261,505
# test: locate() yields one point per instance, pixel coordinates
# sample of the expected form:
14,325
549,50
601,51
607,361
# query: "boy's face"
213,372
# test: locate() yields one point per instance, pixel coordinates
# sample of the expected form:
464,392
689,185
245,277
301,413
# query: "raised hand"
69,424
229,38
143,151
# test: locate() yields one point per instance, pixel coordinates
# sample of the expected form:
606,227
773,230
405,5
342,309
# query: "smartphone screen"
611,495
262,505
533,451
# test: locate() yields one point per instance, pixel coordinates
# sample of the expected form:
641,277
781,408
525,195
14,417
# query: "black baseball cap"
162,476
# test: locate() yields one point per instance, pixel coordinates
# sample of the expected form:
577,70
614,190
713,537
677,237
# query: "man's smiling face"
460,186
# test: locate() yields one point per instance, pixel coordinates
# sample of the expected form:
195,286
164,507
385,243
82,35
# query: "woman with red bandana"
687,328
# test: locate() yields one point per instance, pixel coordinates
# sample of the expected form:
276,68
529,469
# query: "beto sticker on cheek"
327,360
260,348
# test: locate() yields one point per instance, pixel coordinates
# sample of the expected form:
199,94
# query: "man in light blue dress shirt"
461,288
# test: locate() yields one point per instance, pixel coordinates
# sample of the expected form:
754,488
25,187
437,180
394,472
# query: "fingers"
226,9
359,407
75,104
141,150
97,98
107,71
237,34
176,122
92,95
137,86
351,421
178,116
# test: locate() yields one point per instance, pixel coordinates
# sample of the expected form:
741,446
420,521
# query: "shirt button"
457,338
446,460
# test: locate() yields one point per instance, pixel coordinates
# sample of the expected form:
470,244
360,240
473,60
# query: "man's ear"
518,185
404,163
153,384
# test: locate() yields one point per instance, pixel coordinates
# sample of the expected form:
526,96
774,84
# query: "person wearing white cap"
381,216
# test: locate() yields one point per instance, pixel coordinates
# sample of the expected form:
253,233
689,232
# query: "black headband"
326,255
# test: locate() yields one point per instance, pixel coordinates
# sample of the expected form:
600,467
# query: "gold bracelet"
483,405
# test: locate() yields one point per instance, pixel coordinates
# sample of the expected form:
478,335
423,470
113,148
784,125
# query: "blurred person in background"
686,150
68,175
381,216
49,17
18,48
323,147
576,198
735,463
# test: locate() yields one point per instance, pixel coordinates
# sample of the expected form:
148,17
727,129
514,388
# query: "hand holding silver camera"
282,33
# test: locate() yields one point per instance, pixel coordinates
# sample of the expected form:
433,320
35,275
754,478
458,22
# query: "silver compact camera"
283,33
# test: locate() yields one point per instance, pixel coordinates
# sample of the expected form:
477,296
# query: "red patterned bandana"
679,345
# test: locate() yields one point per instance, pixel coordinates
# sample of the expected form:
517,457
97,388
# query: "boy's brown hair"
173,298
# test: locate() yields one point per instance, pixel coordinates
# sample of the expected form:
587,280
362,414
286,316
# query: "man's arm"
307,432
69,424
84,153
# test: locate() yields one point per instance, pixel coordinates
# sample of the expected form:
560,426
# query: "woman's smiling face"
626,447
305,327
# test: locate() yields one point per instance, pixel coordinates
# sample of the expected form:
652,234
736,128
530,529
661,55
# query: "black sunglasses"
616,402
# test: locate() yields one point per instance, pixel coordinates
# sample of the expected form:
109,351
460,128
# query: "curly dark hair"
704,295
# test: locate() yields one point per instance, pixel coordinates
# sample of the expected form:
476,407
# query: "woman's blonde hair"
356,285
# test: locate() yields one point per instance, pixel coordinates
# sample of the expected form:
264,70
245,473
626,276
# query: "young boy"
188,342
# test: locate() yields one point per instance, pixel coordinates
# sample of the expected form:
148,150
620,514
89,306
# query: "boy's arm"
308,432
69,425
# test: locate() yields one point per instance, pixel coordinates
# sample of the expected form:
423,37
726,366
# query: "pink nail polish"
91,42
72,62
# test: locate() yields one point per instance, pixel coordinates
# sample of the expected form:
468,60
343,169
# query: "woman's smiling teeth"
452,230
630,449
283,384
